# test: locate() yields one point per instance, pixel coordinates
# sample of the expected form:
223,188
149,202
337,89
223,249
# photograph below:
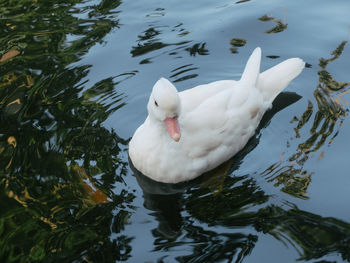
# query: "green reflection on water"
328,119
58,164
213,225
62,193
280,26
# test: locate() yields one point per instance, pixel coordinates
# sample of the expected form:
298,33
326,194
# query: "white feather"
216,121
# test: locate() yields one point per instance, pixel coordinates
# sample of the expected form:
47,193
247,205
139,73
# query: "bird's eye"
155,103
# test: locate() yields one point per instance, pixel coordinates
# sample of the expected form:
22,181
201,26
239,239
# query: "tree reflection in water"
58,163
225,225
331,111
62,192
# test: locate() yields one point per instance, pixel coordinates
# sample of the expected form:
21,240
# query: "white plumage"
191,132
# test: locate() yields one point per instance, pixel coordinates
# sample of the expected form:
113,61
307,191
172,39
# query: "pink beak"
172,125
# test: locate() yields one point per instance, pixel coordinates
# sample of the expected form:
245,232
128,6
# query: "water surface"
75,80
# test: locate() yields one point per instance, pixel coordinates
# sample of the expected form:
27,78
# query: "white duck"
191,132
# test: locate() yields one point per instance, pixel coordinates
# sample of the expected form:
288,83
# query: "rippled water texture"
75,77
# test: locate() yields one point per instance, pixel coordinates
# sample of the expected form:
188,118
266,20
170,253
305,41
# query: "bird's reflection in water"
167,211
213,199
164,200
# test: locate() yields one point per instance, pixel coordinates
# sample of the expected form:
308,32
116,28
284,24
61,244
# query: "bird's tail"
272,81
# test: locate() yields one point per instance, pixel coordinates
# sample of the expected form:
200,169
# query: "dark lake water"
75,77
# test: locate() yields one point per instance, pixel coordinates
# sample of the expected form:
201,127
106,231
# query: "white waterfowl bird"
191,132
